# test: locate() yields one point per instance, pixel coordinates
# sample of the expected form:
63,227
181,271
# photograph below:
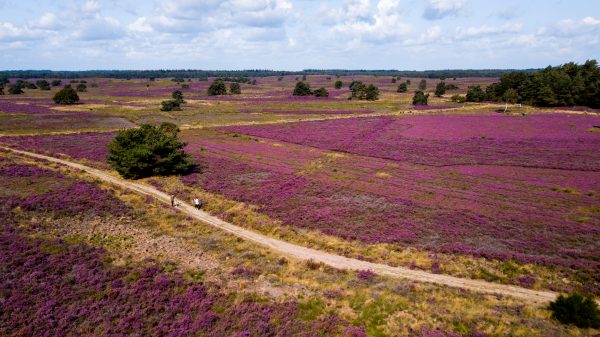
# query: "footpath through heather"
534,297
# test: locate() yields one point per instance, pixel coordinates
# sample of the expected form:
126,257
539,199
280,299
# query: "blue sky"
296,34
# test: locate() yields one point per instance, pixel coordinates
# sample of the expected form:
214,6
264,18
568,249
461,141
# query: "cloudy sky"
296,34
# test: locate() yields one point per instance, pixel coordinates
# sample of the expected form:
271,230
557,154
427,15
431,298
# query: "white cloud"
11,33
438,9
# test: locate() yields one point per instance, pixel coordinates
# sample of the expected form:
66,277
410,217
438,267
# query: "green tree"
440,89
302,89
66,95
402,87
81,87
177,96
393,80
475,94
15,89
217,88
149,150
170,105
43,84
338,84
235,89
581,311
56,83
321,92
420,98
371,93
423,85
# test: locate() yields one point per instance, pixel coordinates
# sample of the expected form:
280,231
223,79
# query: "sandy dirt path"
534,297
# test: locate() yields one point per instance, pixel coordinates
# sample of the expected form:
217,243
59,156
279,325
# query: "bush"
235,89
338,84
581,311
321,92
423,85
458,98
170,105
81,87
149,150
56,83
372,93
475,94
177,96
451,87
66,96
94,85
43,84
302,89
217,88
440,89
420,98
402,87
393,80
15,89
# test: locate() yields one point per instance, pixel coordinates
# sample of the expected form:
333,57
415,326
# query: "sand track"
534,297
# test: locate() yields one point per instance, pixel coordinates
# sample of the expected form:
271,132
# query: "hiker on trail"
197,203
172,201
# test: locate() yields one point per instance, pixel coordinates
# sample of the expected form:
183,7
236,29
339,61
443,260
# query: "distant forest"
190,73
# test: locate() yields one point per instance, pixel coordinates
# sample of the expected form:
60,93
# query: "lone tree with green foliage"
302,89
338,84
423,85
402,87
81,87
440,89
149,150
177,96
475,94
235,88
217,88
15,89
66,95
321,92
581,311
43,84
420,98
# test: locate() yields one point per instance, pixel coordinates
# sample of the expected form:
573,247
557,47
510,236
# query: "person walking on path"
197,203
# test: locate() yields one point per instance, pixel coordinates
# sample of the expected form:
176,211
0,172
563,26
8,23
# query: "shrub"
362,91
420,98
217,88
338,84
15,89
581,311
43,84
66,96
402,87
321,92
177,96
30,85
56,83
235,89
458,98
170,105
94,85
475,94
81,87
372,92
423,85
393,80
440,89
451,87
302,89
149,150
185,86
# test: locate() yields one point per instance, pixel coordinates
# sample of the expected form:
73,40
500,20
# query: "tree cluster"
566,85
363,91
420,98
303,89
173,104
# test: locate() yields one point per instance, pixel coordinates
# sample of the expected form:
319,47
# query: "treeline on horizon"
191,73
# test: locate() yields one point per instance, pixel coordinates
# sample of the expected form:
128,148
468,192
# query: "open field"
455,190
